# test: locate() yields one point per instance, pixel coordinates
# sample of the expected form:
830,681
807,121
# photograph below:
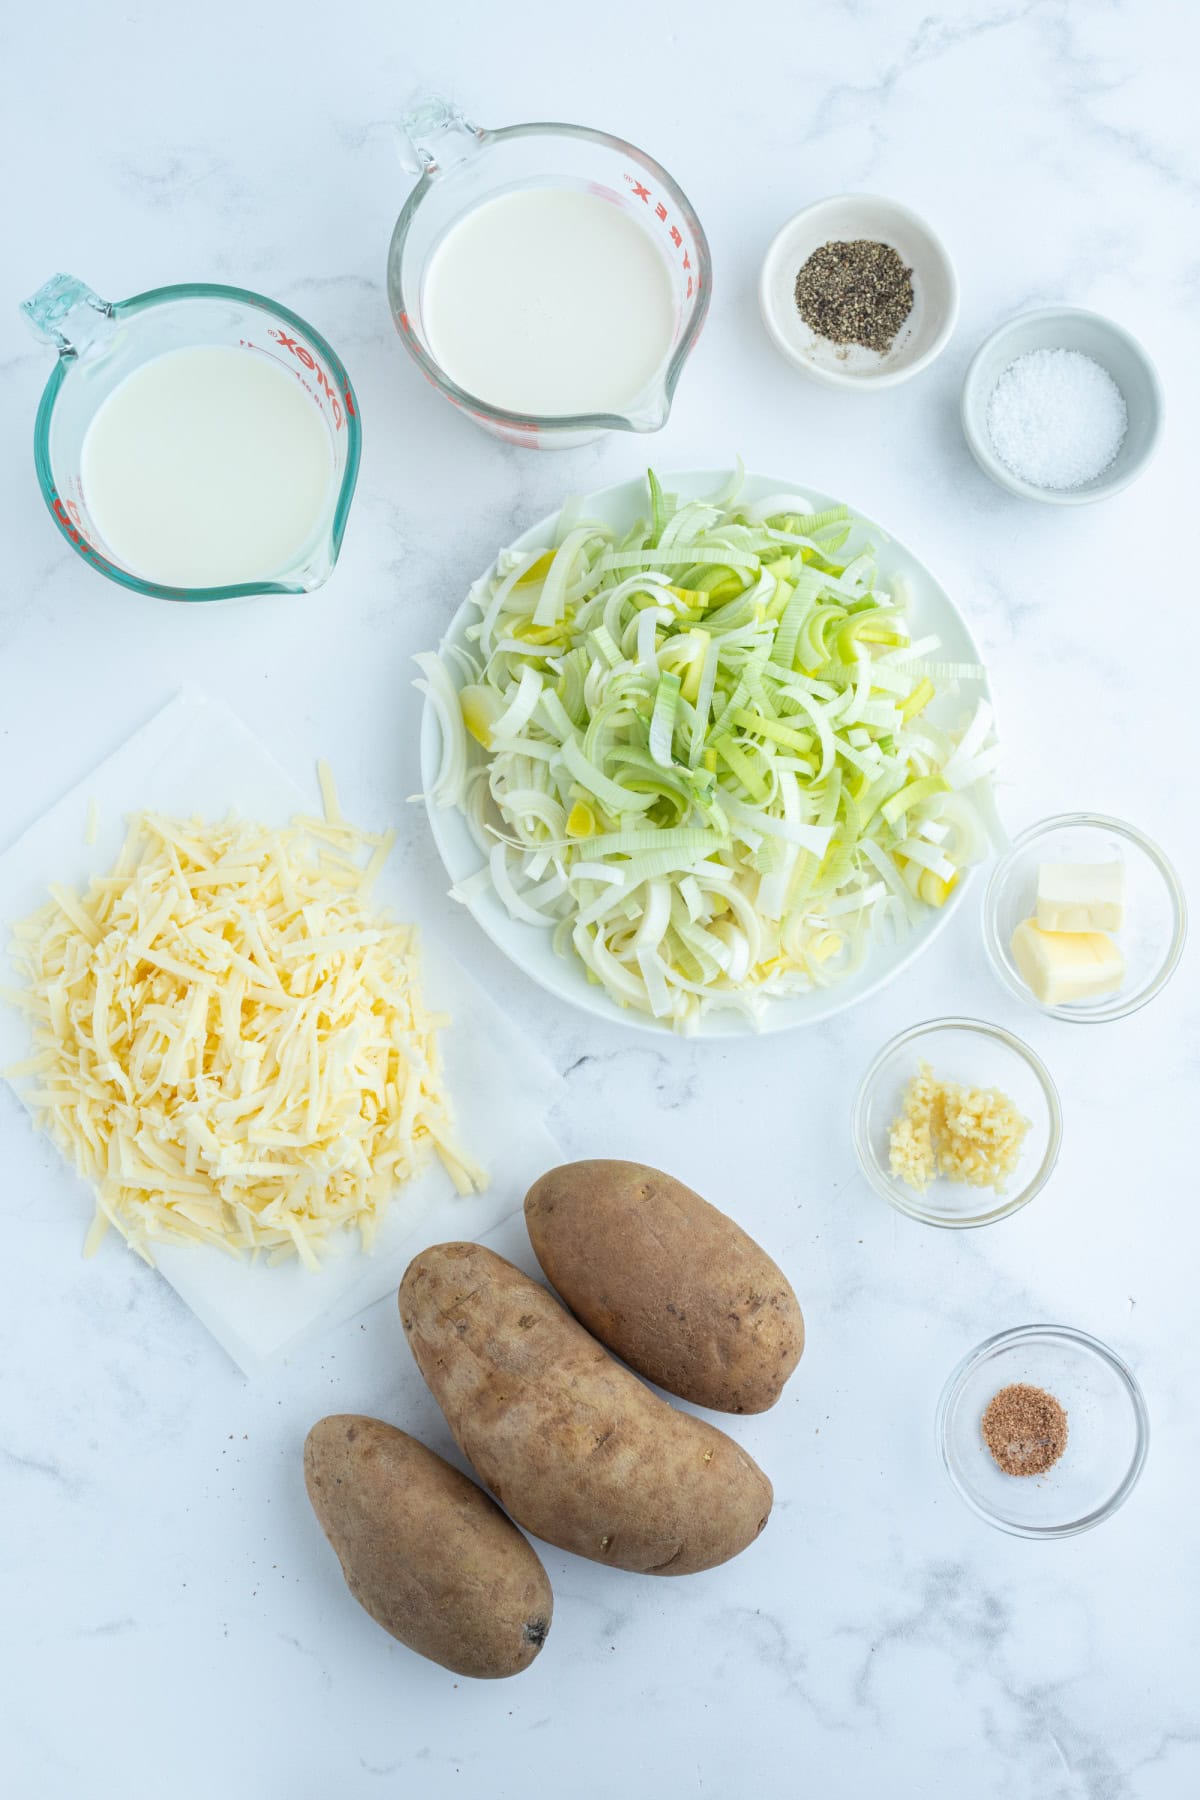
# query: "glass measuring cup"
460,165
101,342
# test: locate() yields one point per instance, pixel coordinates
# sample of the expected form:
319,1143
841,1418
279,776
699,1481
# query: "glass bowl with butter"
1084,918
957,1123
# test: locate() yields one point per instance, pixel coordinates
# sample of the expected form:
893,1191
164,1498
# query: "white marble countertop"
174,1622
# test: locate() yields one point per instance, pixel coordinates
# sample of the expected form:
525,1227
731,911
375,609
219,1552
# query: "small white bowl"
842,219
1067,328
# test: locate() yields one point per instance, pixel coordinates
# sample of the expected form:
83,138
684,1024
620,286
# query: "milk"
207,467
549,301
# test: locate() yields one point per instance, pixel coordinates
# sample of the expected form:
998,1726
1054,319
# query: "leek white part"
647,647
503,884
516,716
443,696
598,871
777,506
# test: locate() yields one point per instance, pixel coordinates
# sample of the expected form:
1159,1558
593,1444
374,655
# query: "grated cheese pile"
964,1134
229,1044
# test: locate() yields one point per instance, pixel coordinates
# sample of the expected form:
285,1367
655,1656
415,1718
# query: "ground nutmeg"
1025,1429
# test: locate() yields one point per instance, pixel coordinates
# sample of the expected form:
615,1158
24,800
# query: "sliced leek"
701,755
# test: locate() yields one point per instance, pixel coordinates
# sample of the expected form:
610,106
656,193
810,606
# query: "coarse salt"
1056,418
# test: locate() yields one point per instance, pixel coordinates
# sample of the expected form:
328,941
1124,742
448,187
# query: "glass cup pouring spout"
100,343
459,165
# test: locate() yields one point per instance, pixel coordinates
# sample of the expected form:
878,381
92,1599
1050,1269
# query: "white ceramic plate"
529,947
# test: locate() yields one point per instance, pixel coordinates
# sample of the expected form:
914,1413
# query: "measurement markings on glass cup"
641,192
307,360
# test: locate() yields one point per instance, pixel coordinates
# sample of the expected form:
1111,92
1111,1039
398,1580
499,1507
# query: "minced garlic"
965,1134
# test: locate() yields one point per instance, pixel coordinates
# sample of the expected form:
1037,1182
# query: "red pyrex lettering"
640,191
69,519
305,356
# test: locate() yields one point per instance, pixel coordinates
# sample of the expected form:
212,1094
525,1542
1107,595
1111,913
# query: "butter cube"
1065,966
1081,896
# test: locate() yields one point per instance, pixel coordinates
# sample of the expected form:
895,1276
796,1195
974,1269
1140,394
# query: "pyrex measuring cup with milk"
550,280
195,442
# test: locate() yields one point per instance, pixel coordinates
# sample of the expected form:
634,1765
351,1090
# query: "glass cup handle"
67,314
434,136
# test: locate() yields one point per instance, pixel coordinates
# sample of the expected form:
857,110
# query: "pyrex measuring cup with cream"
195,442
549,279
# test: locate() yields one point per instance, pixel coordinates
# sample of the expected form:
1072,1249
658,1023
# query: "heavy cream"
549,301
207,467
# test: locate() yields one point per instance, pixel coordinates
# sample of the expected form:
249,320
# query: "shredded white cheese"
229,1043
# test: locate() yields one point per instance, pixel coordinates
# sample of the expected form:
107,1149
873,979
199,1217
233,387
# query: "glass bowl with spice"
858,292
1043,1431
1062,405
957,1123
1084,918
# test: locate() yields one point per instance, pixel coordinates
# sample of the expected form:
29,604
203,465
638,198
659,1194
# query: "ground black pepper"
855,293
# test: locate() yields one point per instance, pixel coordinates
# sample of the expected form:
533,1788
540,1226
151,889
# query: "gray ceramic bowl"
1067,328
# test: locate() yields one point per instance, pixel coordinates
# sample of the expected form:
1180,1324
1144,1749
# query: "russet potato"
430,1557
576,1448
670,1284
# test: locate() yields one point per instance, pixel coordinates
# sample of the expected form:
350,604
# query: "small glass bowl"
977,1055
1155,928
1108,1431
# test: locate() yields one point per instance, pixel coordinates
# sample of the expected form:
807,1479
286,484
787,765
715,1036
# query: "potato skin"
576,1448
426,1552
670,1284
